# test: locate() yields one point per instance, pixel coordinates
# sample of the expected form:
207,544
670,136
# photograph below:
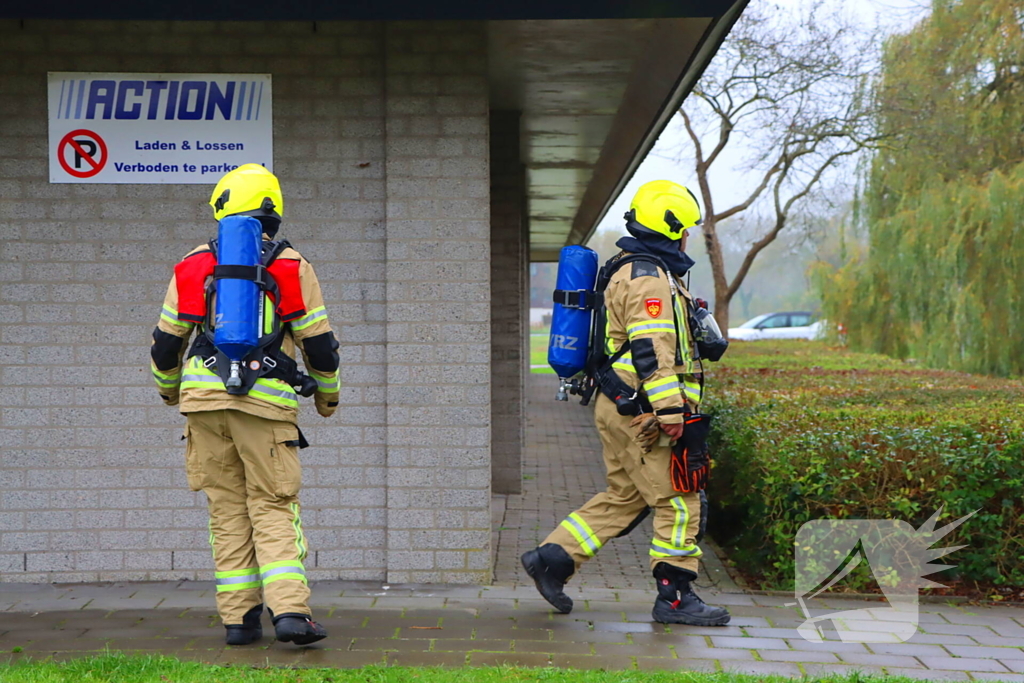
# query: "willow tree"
941,279
786,90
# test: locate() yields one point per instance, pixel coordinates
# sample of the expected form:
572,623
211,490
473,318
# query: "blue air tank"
237,322
570,327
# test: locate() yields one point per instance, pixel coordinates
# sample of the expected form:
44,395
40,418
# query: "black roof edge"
333,10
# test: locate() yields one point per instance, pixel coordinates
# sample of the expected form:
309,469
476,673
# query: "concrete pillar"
438,303
509,304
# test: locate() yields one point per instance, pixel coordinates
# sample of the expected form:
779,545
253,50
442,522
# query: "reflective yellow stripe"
286,569
268,315
678,546
583,534
171,316
310,318
300,539
166,379
173,374
237,579
662,388
693,391
650,327
326,383
625,362
276,391
251,571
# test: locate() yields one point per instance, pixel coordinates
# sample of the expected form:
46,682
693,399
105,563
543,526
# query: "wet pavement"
508,623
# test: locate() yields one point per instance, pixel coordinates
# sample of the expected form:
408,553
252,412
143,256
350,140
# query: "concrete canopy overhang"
594,96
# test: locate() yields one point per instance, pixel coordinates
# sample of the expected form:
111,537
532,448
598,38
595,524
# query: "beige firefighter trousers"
250,473
635,481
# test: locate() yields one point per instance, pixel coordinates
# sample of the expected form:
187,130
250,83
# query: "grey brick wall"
381,147
510,242
438,292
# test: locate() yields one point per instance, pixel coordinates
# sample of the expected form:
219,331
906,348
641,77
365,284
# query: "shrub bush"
803,432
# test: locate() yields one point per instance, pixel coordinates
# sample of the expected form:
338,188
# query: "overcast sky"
731,185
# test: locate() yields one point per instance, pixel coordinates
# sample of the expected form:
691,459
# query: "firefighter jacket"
186,381
649,309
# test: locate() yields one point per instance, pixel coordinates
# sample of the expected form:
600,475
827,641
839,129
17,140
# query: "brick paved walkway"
509,623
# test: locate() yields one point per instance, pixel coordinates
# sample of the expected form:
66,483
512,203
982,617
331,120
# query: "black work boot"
298,629
678,604
249,631
550,567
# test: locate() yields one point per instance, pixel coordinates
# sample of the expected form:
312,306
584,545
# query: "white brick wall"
438,294
91,479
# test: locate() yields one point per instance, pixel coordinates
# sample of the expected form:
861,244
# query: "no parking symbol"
82,153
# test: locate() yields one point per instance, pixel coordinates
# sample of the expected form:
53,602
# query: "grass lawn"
539,352
116,668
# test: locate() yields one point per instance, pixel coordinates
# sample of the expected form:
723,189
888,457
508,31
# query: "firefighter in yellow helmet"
242,449
650,387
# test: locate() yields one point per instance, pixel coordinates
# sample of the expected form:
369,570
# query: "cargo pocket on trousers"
193,470
285,454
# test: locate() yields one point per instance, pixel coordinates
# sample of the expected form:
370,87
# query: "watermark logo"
898,557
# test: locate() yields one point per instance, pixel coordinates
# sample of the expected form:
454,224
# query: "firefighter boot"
298,629
249,631
678,604
550,567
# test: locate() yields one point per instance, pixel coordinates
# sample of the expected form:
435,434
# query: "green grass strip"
119,668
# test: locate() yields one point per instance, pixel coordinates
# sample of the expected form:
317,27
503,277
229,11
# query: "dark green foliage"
945,199
805,432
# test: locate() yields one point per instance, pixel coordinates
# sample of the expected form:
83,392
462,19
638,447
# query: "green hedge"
804,432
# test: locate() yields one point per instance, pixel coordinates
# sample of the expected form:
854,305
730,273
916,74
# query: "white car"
786,325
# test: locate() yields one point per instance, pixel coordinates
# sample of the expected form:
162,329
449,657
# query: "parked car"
784,325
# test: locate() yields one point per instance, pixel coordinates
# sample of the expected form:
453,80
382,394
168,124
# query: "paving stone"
761,668
60,644
758,632
999,641
958,629
908,649
962,664
592,662
552,647
942,639
1014,665
662,664
901,661
797,656
929,674
510,659
986,652
473,645
626,627
450,659
808,646
340,659
390,644
631,650
721,653
750,643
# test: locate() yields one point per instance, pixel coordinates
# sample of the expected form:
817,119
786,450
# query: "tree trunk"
714,249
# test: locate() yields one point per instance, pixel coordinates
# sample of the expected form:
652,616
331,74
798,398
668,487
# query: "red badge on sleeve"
653,307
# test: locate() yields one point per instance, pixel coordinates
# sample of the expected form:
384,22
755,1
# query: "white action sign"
157,128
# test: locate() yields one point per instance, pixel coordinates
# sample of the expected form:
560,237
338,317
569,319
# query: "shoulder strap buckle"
581,299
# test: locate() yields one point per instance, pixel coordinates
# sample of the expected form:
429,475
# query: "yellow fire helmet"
249,190
665,207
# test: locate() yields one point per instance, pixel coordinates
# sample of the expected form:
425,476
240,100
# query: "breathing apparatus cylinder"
237,313
570,320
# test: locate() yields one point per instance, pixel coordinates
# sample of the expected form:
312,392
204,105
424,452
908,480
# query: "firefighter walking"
650,389
242,447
